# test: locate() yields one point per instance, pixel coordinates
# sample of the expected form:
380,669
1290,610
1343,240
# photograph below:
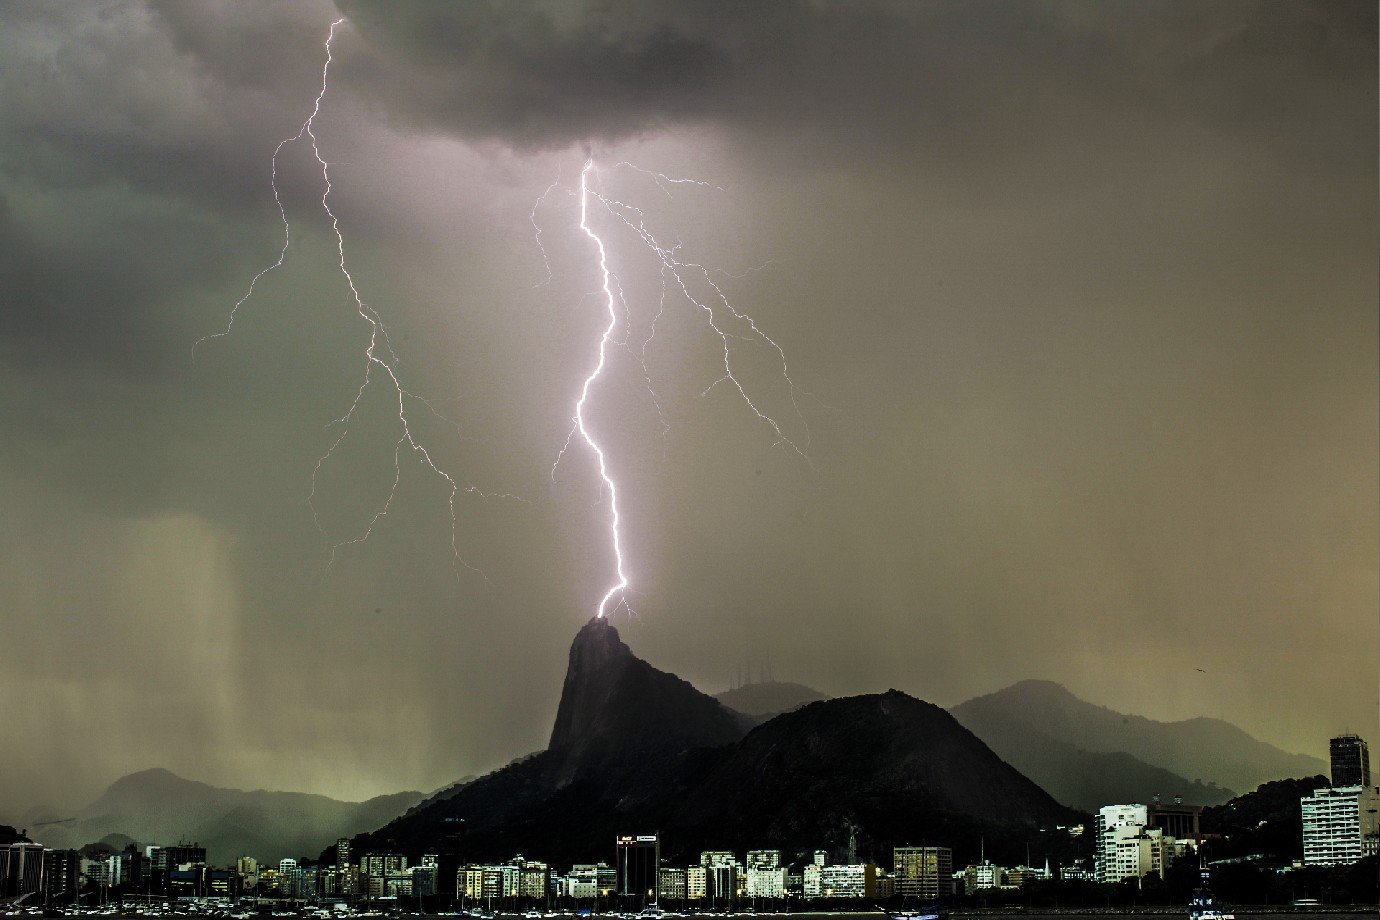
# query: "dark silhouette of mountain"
110,843
159,807
1083,779
1267,822
636,749
1027,721
449,790
613,701
768,698
895,766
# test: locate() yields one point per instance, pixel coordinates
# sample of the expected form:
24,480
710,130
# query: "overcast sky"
1078,301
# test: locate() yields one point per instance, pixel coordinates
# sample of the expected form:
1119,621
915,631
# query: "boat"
923,913
1201,906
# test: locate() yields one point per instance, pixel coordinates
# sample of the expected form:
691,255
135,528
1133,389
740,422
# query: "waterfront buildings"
981,876
61,876
696,883
922,872
766,881
857,880
671,884
1340,825
21,870
1176,819
637,859
1127,846
248,869
765,874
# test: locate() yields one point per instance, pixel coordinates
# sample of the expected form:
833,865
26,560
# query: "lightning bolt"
619,588
379,357
678,274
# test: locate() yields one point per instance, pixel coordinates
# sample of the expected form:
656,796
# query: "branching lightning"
679,277
678,274
379,357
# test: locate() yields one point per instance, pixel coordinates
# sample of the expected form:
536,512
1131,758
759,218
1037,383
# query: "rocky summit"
636,749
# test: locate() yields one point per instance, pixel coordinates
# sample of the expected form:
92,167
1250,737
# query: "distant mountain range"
155,806
1087,755
635,749
768,698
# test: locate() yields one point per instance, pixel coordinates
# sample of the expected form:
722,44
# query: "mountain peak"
154,781
1037,689
598,658
612,702
768,698
1029,721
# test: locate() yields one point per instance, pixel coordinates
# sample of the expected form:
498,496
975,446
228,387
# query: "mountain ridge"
768,698
1209,752
156,805
635,749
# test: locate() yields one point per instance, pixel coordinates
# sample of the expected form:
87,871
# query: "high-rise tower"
1350,761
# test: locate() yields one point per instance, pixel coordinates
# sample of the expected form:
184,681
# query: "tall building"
1177,820
534,879
61,876
469,882
289,877
1117,824
381,865
1340,825
247,869
1350,761
981,876
103,870
222,883
21,870
696,883
763,859
923,872
342,852
858,880
764,875
721,882
637,859
424,876
720,875
1126,846
598,880
185,882
766,882
671,885
184,854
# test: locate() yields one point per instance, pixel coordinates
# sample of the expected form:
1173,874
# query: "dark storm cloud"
127,93
1086,293
951,79
126,161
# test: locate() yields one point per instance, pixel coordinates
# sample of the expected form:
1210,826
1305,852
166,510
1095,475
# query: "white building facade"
1125,847
1340,825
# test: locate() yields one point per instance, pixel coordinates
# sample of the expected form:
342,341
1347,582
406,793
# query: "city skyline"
1080,305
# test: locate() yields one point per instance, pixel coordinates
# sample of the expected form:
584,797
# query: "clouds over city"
1083,298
